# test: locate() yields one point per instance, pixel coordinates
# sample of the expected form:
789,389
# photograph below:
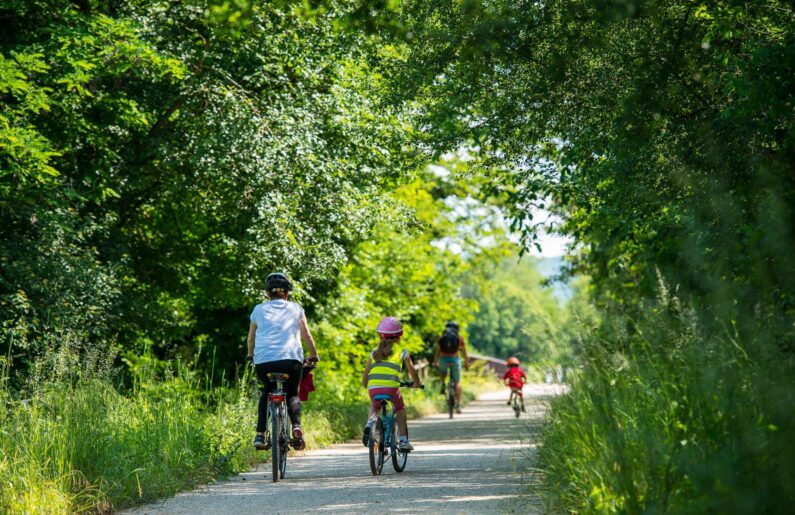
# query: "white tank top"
278,333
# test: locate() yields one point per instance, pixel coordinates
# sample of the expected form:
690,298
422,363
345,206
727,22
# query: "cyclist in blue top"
275,334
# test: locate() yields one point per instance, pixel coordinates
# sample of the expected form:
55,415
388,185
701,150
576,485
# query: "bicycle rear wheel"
516,406
276,448
376,448
399,458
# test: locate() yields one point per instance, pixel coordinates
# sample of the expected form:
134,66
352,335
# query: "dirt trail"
465,465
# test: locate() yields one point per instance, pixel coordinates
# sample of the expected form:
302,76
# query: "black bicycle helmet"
452,324
278,280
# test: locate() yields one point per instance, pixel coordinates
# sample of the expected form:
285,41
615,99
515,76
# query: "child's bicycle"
451,384
517,408
384,438
280,425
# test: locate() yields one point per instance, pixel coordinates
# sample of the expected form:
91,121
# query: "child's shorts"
397,399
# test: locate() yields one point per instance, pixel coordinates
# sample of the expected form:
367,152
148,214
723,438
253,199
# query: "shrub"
669,417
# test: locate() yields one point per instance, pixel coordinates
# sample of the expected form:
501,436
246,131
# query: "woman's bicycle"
384,437
280,424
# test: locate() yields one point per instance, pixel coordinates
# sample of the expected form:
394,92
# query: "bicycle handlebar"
409,384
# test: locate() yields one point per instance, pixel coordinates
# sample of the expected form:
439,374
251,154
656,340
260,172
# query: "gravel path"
465,465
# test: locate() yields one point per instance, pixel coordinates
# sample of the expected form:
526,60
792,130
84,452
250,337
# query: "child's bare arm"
412,371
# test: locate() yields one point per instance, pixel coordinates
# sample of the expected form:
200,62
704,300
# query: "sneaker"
405,446
298,438
262,443
508,403
366,433
458,409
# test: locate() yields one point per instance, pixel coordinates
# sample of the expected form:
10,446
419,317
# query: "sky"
552,245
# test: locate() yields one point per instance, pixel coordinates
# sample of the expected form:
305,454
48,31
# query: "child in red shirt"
515,378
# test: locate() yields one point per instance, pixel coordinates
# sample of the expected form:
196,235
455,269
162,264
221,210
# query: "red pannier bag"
307,385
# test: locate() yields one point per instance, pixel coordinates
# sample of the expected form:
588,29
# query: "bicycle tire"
283,456
451,399
376,448
285,441
399,458
276,448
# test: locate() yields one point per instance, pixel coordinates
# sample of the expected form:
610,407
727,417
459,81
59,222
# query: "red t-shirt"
515,377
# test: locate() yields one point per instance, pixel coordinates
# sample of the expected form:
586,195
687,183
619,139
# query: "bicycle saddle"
383,397
276,377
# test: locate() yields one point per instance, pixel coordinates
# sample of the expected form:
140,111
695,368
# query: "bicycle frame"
388,419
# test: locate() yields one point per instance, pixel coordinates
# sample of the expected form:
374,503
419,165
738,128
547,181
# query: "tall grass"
668,417
83,446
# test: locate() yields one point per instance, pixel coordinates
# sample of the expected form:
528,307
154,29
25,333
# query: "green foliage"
517,316
678,421
662,133
180,151
661,130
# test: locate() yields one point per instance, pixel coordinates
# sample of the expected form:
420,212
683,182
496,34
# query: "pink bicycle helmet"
389,327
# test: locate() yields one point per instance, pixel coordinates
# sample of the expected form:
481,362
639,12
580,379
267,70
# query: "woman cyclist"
274,345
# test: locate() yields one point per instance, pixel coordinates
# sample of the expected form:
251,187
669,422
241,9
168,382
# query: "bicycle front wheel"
276,448
376,448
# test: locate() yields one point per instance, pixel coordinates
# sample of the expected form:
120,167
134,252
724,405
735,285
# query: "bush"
668,418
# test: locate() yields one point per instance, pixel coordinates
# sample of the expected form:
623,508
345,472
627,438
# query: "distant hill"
550,267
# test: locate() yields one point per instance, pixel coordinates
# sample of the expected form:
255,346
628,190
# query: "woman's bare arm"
252,333
306,337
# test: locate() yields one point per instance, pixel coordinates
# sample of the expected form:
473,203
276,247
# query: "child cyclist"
515,378
382,377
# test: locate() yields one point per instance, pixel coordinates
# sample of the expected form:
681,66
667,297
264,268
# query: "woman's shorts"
397,399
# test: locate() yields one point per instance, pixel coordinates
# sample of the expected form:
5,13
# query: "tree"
160,158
